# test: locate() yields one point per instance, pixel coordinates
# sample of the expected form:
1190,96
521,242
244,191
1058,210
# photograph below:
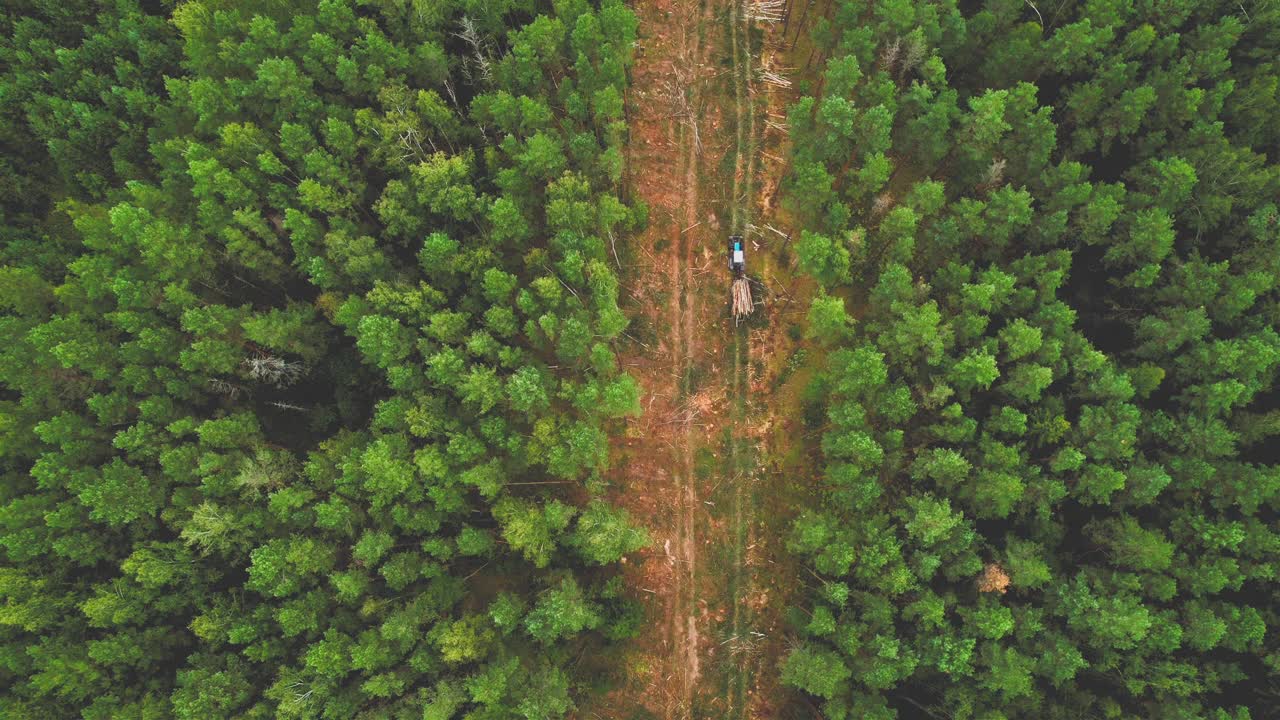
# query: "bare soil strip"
687,468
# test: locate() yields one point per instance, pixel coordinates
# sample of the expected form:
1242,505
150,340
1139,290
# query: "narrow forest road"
688,468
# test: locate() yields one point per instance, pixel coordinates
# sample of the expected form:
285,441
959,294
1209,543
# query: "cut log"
742,304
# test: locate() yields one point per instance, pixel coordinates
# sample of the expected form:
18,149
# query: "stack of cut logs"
742,305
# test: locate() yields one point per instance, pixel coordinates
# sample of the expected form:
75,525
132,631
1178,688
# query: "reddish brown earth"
694,468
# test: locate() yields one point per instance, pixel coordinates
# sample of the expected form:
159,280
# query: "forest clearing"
690,464
649,360
682,110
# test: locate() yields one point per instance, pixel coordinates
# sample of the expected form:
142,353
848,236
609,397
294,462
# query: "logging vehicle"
737,256
740,292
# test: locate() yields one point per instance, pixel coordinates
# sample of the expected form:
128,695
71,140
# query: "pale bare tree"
288,406
995,173
1038,15
881,205
993,579
478,66
264,367
222,387
890,54
914,53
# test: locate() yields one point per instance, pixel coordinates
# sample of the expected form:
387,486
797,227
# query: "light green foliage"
463,640
992,621
823,257
974,371
531,529
1020,339
119,495
815,671
828,321
561,611
944,466
603,534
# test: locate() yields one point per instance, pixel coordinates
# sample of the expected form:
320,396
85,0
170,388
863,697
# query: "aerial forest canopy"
307,368
311,351
1050,246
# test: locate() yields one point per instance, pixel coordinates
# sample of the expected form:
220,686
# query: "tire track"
691,160
740,462
684,330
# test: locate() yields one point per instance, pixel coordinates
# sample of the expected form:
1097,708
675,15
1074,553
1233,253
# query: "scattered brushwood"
767,11
769,77
742,304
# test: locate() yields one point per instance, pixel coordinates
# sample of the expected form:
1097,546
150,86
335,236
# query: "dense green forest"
309,322
1050,247
307,367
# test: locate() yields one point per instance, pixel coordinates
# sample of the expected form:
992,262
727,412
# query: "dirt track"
688,469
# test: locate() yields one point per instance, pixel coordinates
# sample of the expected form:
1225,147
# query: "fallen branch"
772,78
783,235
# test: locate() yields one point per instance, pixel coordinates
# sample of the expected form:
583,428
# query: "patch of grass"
661,297
691,380
638,667
794,363
814,412
641,330
704,463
